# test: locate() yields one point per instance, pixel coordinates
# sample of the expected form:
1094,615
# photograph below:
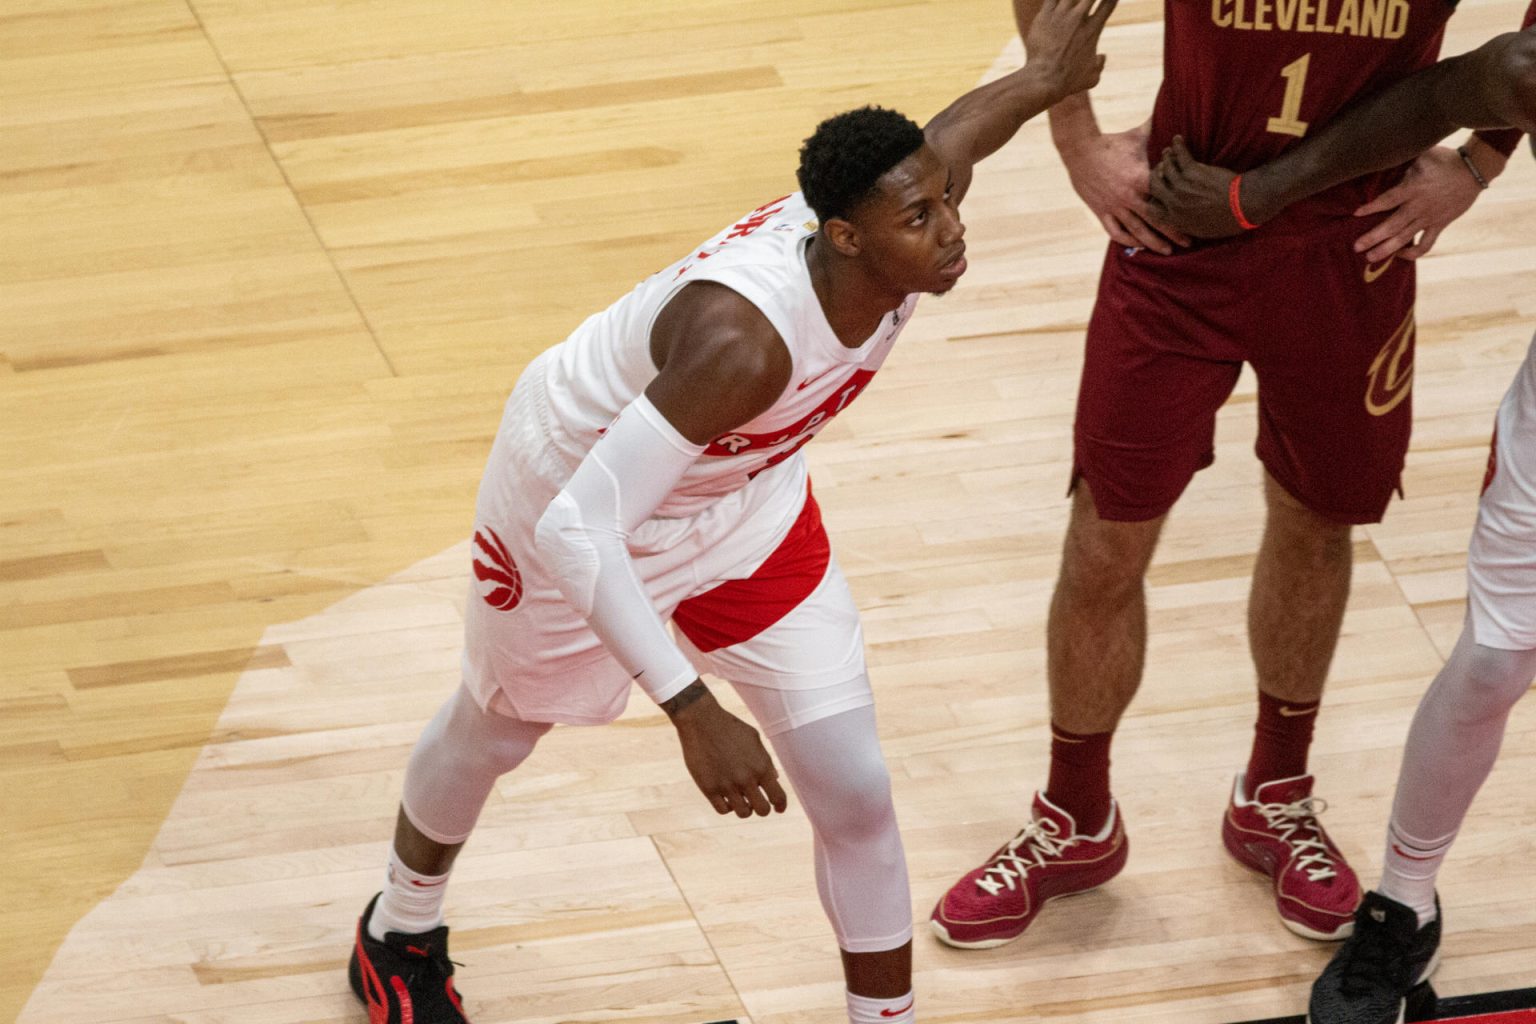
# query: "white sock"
1409,869
412,902
864,1010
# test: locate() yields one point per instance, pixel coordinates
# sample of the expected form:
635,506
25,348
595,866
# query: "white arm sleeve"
582,541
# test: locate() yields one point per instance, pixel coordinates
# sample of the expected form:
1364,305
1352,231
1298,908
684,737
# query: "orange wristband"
1236,204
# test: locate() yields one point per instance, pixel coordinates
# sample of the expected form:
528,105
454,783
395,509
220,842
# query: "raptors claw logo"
506,583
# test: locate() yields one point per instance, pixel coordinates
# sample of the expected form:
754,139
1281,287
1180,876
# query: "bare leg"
1300,587
886,975
1097,634
421,854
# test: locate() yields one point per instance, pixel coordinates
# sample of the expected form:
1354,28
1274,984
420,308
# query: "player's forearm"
581,539
979,123
1493,86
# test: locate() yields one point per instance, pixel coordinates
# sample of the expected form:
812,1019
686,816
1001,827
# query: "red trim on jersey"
738,610
1493,461
735,442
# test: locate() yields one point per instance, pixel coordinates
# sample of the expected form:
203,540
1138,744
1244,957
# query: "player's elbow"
1517,69
564,544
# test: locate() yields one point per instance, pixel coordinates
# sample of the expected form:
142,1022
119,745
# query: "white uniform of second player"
734,554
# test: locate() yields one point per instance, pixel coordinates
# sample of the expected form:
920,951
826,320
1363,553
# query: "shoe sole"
1402,1008
944,936
1341,933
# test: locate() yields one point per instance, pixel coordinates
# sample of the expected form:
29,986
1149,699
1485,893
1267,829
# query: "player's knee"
857,803
1494,680
1106,561
1303,524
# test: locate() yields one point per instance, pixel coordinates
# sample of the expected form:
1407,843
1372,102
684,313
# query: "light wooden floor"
269,270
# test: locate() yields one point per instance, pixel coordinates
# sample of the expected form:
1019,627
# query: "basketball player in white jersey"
648,468
1459,726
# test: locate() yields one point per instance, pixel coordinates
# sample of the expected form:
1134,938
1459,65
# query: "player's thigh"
1501,559
527,652
1154,375
807,666
1335,372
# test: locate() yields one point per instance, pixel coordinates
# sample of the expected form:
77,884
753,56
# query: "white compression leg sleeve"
1451,748
460,755
839,774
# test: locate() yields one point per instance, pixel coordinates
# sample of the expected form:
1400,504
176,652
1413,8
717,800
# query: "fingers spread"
1145,235
1180,154
1393,226
776,794
1391,199
1422,247
1116,230
1391,246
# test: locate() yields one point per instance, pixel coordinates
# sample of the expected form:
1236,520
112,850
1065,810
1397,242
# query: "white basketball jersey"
606,362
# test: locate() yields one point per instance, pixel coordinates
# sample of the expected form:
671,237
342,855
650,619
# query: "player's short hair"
846,155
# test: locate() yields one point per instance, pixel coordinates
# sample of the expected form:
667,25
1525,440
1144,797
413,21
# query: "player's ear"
842,235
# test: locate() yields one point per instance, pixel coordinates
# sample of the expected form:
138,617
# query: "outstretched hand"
1063,41
1191,196
728,761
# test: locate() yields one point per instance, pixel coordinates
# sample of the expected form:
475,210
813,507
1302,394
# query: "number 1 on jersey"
1295,75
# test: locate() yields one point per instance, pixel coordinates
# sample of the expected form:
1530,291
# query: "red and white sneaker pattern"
1277,834
1047,860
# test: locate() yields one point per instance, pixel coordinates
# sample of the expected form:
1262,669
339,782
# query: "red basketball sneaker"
1048,859
1277,834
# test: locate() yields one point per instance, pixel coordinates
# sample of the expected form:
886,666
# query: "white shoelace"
1297,826
1040,839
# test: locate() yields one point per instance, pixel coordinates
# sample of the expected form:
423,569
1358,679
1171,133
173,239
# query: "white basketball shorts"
1501,562
749,584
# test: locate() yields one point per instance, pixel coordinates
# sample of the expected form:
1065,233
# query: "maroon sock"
1079,782
1281,738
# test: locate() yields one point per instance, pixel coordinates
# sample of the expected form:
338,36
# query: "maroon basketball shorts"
1330,337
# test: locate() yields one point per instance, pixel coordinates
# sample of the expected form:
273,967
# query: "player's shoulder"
713,325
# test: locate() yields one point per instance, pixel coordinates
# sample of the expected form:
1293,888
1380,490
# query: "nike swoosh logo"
1404,853
898,1013
1372,273
1286,711
428,885
811,380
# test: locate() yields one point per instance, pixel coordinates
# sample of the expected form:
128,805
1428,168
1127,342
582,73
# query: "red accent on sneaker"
373,988
419,951
1047,860
407,1011
453,995
1276,833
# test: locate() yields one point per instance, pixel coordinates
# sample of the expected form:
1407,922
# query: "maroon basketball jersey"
1245,79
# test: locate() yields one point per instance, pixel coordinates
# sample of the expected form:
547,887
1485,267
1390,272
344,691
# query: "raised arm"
1494,86
1062,59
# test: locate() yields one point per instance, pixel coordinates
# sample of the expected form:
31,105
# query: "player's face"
910,229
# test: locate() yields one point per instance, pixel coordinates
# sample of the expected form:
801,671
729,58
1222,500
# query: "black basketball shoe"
406,979
1378,969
